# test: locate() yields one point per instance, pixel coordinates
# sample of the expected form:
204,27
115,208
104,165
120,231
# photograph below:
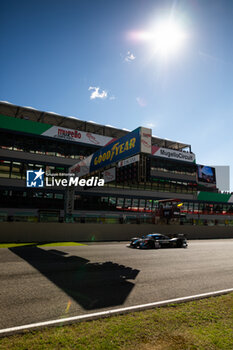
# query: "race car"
157,240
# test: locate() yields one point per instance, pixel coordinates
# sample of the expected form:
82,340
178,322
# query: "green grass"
49,244
205,324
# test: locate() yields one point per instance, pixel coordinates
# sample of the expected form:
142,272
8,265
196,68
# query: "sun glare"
168,38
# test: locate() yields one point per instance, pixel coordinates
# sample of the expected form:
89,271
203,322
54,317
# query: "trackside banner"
122,148
146,138
109,175
77,136
172,154
48,130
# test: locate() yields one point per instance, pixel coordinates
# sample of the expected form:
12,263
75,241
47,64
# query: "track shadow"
92,285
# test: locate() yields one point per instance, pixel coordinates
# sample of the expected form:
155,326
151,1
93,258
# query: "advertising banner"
77,136
109,175
82,168
173,154
122,148
146,135
48,130
128,161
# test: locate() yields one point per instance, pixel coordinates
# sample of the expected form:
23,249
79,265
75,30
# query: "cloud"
112,98
129,57
96,93
141,101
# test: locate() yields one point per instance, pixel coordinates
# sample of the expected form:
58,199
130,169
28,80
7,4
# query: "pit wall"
51,232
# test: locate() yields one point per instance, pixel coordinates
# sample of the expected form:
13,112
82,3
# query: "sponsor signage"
109,175
128,161
77,136
173,154
146,135
48,130
124,147
82,168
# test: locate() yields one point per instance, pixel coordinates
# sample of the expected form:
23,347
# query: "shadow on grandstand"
92,285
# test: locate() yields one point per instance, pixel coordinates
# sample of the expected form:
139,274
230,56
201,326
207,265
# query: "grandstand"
139,186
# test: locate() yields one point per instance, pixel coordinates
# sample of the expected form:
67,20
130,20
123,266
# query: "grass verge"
49,244
203,324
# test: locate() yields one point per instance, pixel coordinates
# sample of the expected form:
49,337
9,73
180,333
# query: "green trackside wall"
22,125
214,197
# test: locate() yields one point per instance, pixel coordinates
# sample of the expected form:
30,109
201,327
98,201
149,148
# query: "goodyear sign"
122,148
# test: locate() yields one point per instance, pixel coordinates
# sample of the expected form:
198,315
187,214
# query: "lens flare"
165,37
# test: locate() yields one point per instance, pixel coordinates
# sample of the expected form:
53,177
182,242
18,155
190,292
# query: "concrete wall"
49,232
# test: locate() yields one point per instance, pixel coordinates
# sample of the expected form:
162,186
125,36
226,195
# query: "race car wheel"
157,245
179,244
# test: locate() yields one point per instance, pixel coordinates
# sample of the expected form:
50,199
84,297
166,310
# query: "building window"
5,168
58,196
142,204
16,170
128,202
135,204
120,203
112,202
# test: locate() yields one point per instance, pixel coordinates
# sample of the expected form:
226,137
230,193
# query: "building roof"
70,122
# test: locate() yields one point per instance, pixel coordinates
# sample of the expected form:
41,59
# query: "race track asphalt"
45,283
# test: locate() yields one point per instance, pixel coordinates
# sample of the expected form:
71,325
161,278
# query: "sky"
98,60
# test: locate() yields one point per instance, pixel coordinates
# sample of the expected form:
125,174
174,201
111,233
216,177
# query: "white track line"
96,315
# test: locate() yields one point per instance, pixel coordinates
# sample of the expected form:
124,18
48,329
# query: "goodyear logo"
117,149
122,148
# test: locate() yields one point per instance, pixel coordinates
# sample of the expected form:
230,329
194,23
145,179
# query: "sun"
168,38
165,37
